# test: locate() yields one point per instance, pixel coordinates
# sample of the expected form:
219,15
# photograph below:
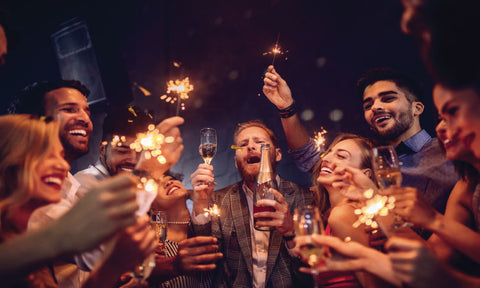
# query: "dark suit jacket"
232,228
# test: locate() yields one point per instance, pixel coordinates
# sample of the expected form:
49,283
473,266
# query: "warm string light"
375,205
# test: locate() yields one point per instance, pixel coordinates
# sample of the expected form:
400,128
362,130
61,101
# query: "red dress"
337,279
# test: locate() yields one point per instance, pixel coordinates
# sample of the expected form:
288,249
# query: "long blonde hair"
321,198
24,141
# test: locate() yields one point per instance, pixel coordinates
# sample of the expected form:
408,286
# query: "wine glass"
387,172
208,144
146,193
308,222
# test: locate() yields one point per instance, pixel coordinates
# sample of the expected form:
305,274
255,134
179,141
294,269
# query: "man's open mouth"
379,119
253,159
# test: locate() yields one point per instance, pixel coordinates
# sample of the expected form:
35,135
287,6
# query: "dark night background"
220,46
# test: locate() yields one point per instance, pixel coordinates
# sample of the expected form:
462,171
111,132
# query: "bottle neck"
265,172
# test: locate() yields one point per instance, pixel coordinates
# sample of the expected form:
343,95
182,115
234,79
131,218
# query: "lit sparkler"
320,139
181,88
151,143
276,50
213,210
375,205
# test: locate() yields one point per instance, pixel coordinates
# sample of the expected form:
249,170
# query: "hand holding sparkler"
276,89
161,147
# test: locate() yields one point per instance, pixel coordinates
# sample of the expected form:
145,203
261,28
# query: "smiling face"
69,107
344,153
247,159
119,158
171,194
49,174
388,111
460,110
454,149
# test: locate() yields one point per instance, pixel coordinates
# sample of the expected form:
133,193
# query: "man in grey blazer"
252,258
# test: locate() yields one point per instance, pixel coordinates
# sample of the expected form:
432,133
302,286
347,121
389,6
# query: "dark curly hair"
412,88
31,100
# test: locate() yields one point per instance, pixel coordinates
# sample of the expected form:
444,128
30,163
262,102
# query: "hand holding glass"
308,222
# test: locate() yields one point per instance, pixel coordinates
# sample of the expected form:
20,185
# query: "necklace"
186,222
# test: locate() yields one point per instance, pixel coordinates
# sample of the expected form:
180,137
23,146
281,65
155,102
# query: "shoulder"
341,221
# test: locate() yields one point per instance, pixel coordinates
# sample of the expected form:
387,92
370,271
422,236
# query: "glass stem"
315,278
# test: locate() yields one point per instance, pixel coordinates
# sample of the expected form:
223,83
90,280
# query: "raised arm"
278,92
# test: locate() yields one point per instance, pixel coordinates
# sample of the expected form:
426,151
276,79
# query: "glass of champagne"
308,222
387,172
208,144
146,193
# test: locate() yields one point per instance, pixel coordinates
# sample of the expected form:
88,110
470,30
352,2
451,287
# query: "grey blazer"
233,231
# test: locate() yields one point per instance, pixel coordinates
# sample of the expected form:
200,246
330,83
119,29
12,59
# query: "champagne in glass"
208,144
308,222
158,221
387,172
386,167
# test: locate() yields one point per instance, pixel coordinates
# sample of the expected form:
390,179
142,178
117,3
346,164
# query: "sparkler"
277,50
320,140
181,88
151,143
212,210
375,205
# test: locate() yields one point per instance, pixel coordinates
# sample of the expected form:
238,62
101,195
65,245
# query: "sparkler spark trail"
213,210
277,50
375,205
180,88
320,139
151,143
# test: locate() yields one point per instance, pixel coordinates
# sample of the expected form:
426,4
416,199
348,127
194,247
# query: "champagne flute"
146,193
208,144
387,172
308,222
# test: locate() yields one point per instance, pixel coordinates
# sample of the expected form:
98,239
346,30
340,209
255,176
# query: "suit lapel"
240,217
276,238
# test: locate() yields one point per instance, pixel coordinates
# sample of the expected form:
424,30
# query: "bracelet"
289,238
289,111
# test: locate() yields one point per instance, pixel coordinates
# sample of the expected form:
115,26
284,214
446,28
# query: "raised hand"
171,150
202,191
276,89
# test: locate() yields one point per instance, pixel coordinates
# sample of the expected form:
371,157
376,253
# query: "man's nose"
377,106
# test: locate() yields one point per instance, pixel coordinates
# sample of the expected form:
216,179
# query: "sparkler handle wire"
276,45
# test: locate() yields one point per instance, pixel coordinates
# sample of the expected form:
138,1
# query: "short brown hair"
255,123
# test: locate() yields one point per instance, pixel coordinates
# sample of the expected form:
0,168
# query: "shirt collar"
101,168
417,141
